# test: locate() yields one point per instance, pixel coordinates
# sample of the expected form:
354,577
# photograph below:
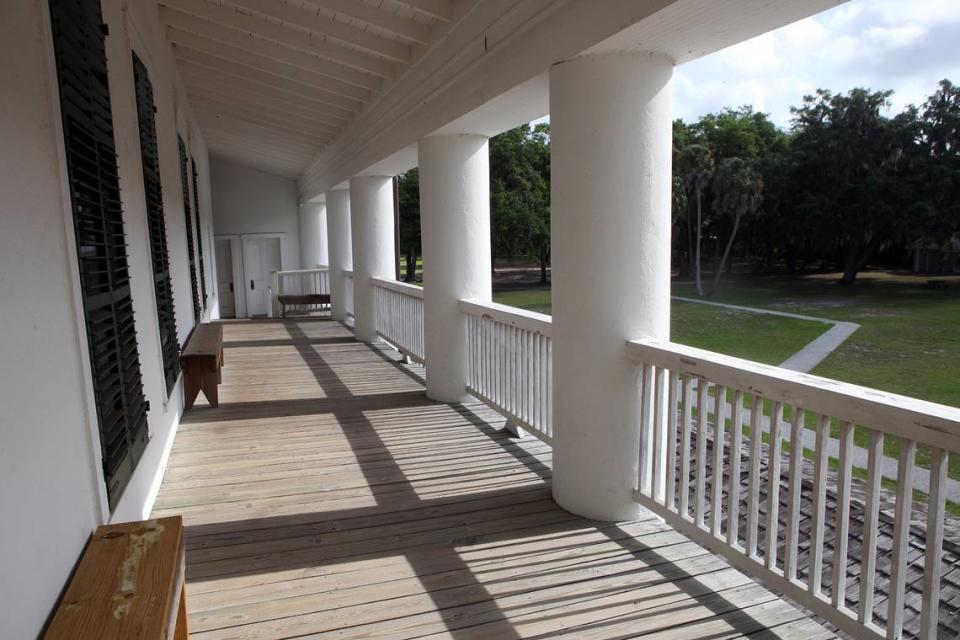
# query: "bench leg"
191,386
180,631
210,388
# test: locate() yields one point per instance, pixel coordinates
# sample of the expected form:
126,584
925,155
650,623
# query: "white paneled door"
261,257
225,285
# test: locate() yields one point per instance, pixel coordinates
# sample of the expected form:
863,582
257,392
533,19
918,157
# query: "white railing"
510,363
399,316
303,281
693,400
348,292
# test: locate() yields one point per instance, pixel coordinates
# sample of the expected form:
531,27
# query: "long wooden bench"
129,585
201,361
301,299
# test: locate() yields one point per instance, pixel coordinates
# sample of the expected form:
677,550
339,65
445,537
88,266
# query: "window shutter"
189,226
196,211
160,258
78,37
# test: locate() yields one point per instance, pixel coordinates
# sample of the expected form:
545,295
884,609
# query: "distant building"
930,256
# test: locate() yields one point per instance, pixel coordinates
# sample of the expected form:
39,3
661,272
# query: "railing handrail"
929,423
520,318
292,272
400,287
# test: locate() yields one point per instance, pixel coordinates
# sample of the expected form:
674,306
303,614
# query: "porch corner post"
312,226
455,234
611,147
371,212
339,249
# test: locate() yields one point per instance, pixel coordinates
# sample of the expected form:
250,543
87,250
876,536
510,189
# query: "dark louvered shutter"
78,37
159,257
196,212
189,226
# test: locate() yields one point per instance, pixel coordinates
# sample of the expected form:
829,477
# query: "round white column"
611,137
371,212
455,234
313,235
340,249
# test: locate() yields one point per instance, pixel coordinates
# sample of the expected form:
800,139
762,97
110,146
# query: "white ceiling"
272,82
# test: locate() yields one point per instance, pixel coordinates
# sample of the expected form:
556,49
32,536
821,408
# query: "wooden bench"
298,299
201,361
127,586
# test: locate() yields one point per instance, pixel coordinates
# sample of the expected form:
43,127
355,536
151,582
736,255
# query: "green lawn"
767,339
909,336
908,341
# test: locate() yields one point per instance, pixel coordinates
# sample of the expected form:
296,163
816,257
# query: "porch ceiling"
274,81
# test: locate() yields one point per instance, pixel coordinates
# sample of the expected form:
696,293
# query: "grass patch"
767,339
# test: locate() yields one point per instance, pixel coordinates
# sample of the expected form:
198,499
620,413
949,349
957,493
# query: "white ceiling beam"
254,95
294,127
342,76
243,154
252,146
268,138
341,94
333,104
438,9
293,38
266,166
298,17
218,95
255,92
389,22
264,140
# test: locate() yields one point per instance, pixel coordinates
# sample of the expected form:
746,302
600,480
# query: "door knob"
251,285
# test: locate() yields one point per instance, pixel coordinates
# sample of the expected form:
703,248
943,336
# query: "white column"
313,234
455,233
371,210
610,119
340,249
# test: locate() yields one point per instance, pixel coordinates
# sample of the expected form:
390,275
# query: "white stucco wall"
52,492
250,201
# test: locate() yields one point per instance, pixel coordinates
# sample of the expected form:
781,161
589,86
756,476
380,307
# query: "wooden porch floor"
328,498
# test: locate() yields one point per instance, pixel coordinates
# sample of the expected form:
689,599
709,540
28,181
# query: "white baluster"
901,539
871,518
820,465
733,492
792,540
842,526
932,570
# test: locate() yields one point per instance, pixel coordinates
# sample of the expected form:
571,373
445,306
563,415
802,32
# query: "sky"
904,45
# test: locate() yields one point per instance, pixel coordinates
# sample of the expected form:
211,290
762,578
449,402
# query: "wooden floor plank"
328,497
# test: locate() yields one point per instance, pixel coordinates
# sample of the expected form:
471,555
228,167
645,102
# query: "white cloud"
903,45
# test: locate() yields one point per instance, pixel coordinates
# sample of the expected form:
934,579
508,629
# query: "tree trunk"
696,266
851,263
726,255
411,268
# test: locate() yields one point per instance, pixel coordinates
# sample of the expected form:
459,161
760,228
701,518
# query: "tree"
738,189
850,152
939,125
409,197
520,193
696,169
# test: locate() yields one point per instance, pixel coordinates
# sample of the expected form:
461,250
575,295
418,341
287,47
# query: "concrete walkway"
804,361
812,354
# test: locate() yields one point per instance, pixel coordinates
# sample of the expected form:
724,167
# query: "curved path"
804,361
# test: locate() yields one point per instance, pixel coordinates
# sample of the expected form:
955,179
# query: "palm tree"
695,168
